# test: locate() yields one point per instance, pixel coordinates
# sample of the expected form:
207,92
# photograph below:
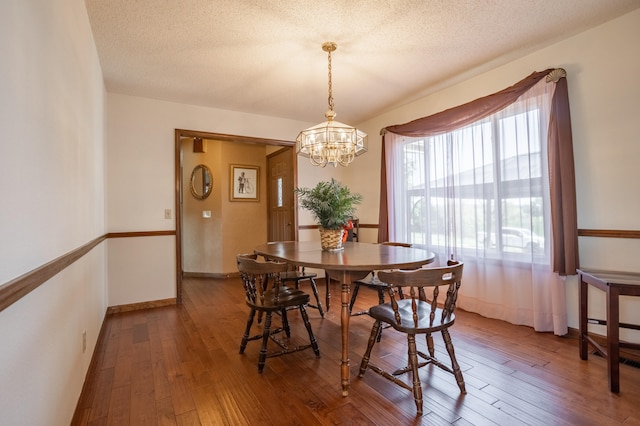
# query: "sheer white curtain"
481,194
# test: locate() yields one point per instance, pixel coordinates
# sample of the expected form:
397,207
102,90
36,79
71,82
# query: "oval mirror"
201,182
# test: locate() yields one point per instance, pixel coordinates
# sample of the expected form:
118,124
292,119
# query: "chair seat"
286,297
425,324
301,275
297,275
372,283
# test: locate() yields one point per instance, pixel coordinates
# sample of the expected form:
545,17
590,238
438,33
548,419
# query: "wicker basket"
331,239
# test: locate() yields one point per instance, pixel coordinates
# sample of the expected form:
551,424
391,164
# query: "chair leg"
413,363
430,345
265,339
354,294
380,302
307,324
327,295
379,337
314,288
367,354
247,330
285,323
454,363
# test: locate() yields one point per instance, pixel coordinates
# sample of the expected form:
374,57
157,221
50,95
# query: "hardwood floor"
180,365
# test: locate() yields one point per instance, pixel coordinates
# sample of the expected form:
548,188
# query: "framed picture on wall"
244,183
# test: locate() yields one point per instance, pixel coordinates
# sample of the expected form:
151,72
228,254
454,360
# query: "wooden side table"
614,284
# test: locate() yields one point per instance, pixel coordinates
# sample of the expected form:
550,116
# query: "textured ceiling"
265,56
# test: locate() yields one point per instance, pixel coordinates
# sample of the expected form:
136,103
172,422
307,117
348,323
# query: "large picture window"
491,183
479,190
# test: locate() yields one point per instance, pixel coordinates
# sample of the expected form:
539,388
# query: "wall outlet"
84,341
167,213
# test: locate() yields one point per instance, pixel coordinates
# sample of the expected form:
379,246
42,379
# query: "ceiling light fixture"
331,141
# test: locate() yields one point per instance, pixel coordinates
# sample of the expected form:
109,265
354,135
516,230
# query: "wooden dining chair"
420,312
266,293
374,283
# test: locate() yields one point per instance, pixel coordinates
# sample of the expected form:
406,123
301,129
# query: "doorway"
181,139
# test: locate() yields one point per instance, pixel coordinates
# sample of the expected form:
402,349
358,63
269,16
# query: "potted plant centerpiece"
332,205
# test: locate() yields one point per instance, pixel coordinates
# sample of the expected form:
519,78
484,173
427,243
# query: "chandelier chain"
330,91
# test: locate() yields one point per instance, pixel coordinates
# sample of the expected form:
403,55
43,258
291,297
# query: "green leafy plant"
331,203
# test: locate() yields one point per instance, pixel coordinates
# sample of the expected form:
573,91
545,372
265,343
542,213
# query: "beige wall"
202,240
210,245
52,192
245,222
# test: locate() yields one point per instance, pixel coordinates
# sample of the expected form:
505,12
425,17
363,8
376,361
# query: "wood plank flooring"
179,365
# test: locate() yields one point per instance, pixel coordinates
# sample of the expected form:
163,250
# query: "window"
479,190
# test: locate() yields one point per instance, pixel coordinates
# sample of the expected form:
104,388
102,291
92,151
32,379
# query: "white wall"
603,66
52,192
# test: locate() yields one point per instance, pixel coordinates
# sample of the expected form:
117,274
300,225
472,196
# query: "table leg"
345,278
328,292
345,281
613,338
583,315
345,373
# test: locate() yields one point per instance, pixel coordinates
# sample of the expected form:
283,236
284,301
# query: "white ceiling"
265,56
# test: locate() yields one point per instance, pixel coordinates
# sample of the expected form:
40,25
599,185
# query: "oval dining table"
355,261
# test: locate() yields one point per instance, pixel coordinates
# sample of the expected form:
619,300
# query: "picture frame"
244,183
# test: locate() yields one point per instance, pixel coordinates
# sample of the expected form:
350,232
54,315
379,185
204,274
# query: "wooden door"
281,214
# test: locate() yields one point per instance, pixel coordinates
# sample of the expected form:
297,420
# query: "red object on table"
347,227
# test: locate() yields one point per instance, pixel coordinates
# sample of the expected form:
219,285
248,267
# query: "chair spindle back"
419,281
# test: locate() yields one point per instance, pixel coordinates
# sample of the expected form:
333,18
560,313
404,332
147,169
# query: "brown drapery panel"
562,185
383,214
564,225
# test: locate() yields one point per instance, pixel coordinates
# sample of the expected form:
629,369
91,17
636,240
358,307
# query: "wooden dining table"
355,261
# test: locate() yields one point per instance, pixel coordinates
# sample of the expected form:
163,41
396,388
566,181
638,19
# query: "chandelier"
331,142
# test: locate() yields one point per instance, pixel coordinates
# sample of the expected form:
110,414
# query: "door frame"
180,136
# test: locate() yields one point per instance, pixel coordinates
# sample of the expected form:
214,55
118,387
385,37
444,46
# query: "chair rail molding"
608,233
16,289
